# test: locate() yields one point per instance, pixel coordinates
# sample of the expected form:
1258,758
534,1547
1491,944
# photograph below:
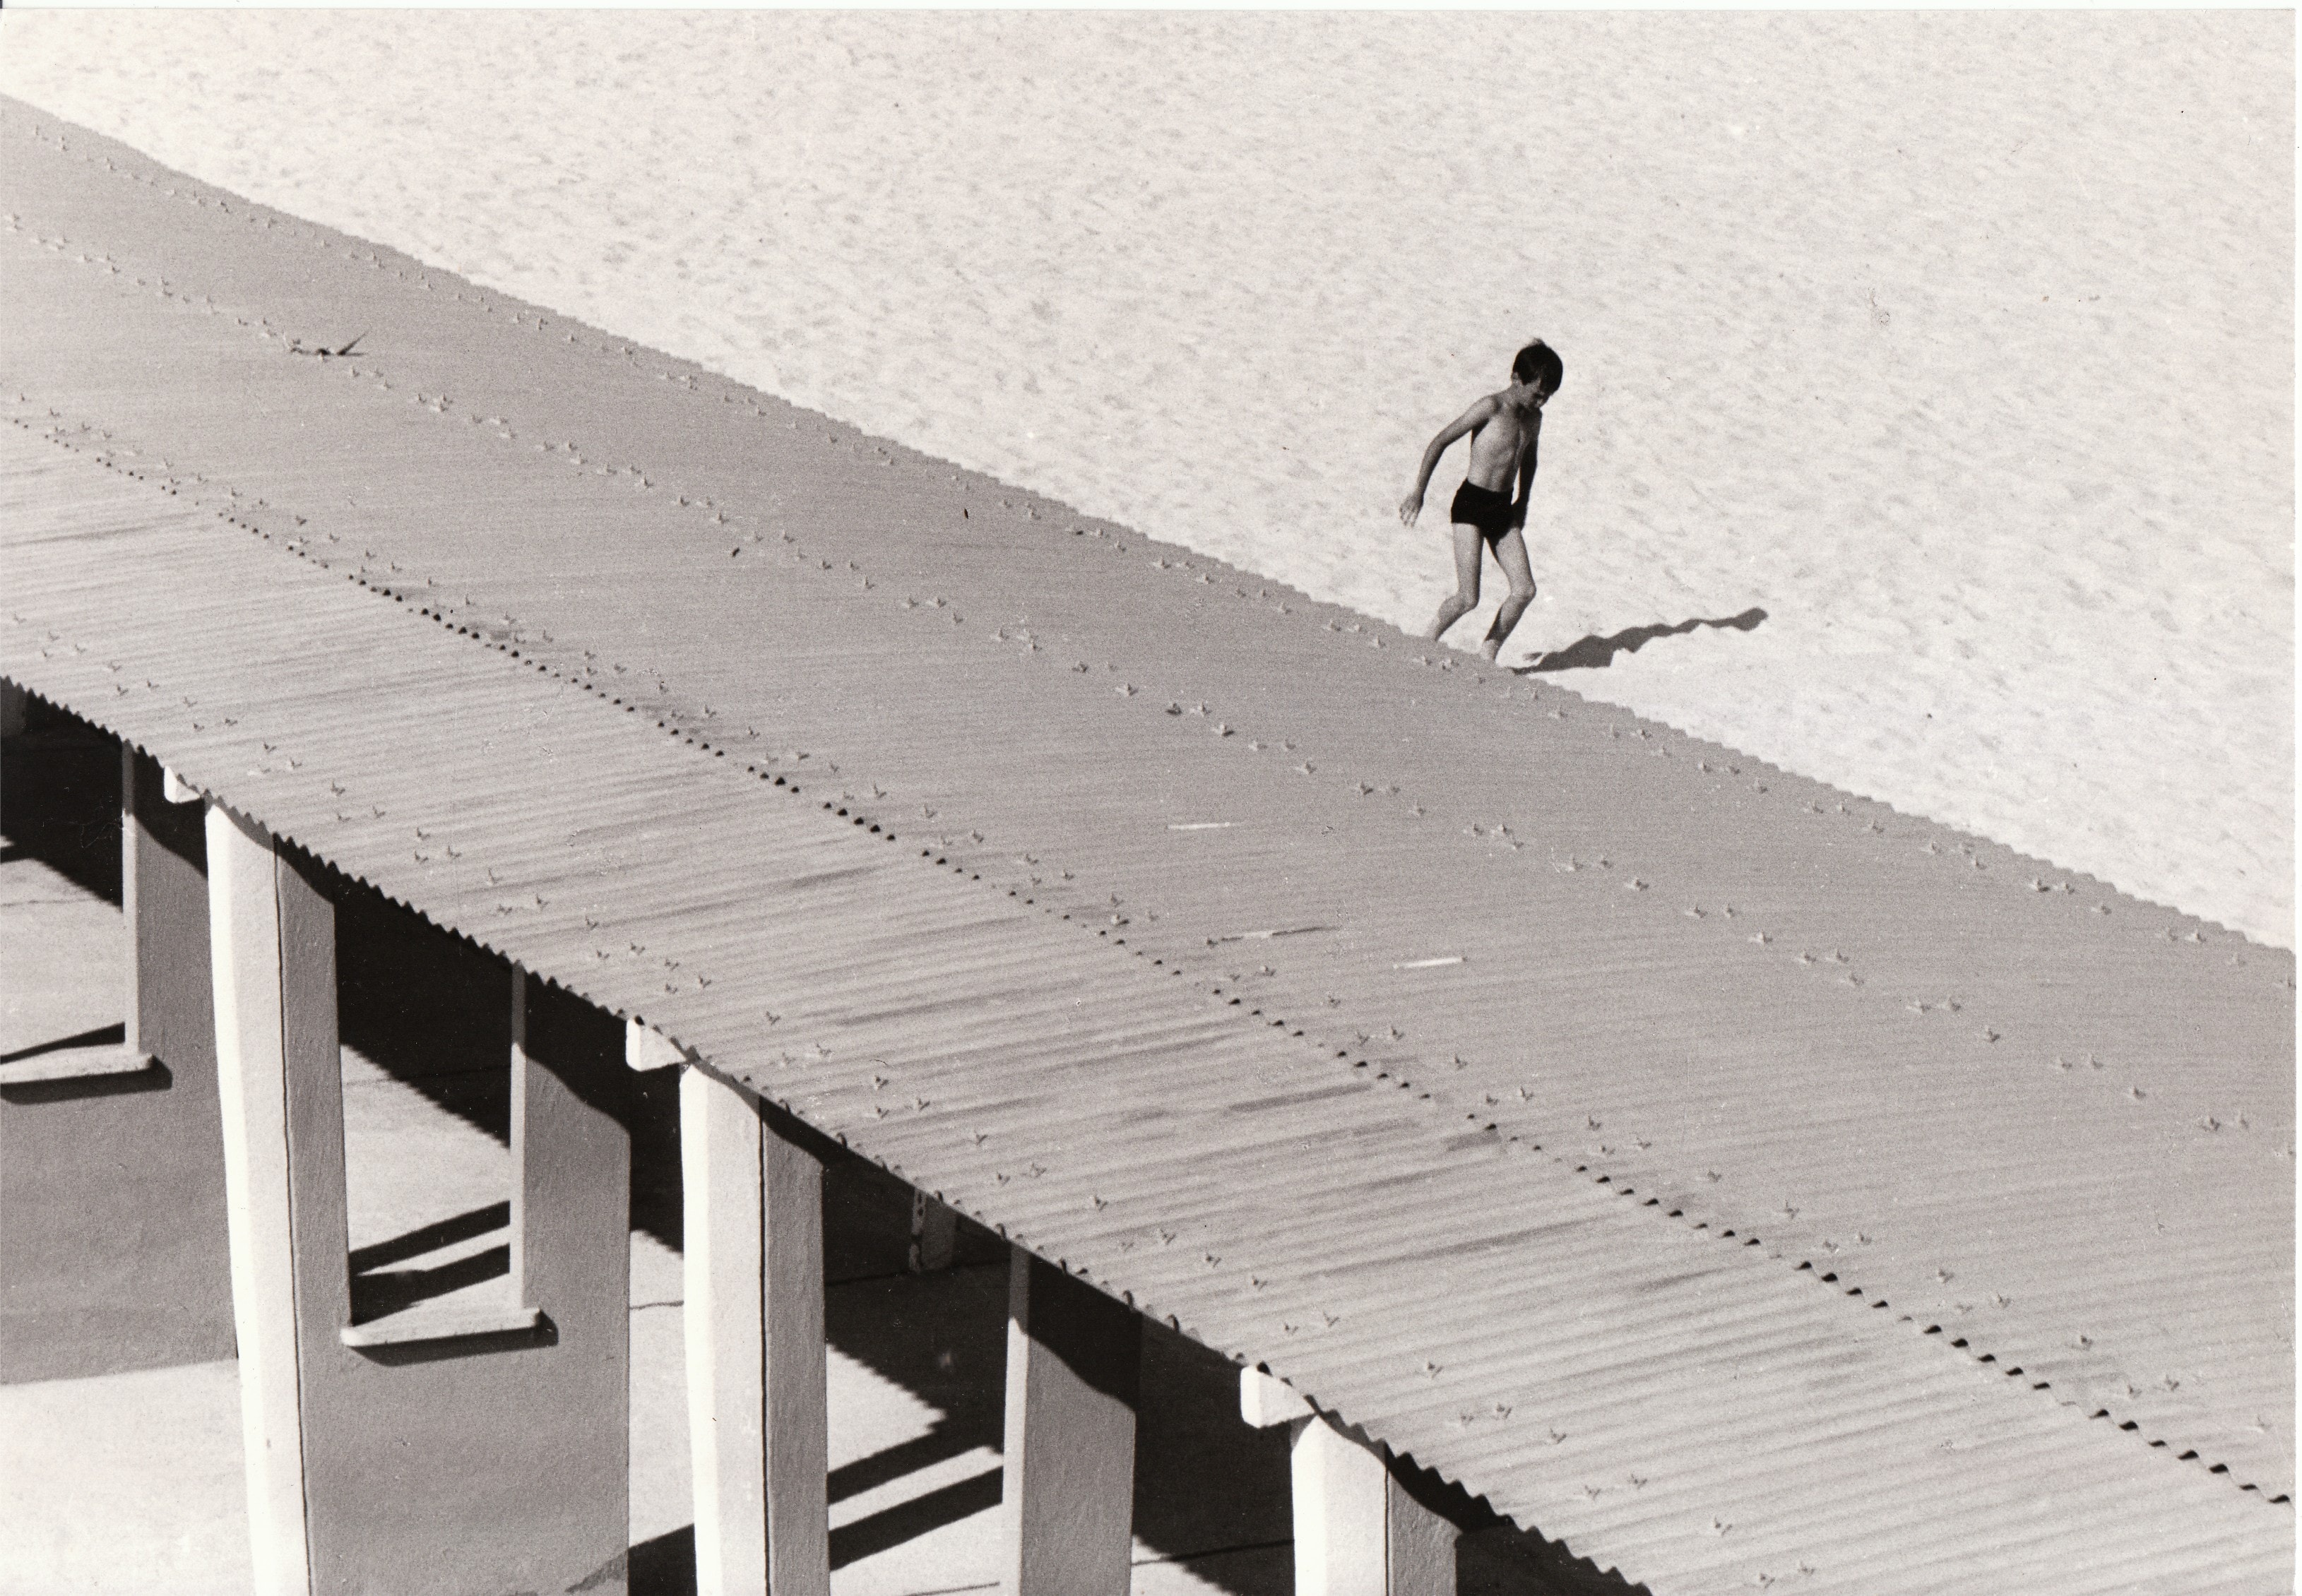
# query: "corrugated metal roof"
1699,1002
1684,1404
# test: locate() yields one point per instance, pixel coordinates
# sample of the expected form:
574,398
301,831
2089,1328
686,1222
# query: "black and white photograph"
1146,802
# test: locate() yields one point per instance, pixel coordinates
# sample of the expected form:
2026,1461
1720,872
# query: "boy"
1504,429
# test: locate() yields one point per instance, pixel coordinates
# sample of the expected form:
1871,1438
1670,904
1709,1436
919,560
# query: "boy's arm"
1470,420
1526,473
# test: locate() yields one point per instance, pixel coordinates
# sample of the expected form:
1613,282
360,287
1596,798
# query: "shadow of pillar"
111,1206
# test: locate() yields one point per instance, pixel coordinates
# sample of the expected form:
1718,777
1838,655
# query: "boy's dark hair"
1539,363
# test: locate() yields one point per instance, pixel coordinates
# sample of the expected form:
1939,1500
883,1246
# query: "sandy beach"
1948,356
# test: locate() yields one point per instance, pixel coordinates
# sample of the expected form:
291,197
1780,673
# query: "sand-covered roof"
1720,1173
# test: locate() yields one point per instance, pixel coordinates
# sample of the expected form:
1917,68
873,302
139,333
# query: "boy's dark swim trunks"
1482,507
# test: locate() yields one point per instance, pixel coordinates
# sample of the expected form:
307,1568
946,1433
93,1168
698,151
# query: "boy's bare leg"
1510,553
1468,547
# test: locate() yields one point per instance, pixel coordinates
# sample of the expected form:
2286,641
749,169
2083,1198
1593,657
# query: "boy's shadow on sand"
1597,653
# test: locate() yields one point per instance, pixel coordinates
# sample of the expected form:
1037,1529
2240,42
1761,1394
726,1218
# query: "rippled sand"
1949,356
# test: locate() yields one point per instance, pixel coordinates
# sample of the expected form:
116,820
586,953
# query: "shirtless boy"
1504,429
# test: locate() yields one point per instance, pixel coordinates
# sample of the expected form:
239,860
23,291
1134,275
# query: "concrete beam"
1266,1401
647,1049
934,1234
757,1412
1067,1502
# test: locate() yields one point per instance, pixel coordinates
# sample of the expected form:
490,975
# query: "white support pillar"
133,909
1067,1499
756,1400
254,999
1358,1530
435,1449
